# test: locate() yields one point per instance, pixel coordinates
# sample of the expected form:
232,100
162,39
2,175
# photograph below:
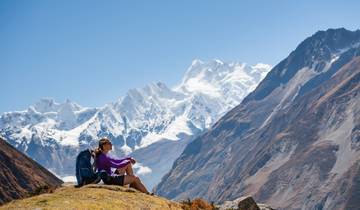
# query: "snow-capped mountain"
53,133
293,143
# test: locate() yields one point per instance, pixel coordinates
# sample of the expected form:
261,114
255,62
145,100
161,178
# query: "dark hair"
102,142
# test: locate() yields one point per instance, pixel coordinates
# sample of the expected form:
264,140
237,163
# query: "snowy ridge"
206,92
141,118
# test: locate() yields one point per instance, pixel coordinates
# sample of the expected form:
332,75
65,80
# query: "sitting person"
104,163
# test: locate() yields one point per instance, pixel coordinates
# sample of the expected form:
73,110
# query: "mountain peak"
45,105
50,105
316,53
211,78
332,40
201,70
196,62
217,62
262,66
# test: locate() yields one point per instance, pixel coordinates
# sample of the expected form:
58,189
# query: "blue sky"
92,52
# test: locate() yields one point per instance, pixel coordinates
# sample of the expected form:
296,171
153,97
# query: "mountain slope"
156,116
20,176
293,142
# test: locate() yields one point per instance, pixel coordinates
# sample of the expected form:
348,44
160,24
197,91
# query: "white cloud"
142,170
69,179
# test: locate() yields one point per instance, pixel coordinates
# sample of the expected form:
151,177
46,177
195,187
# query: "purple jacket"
104,162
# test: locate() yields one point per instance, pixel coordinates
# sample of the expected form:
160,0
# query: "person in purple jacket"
124,165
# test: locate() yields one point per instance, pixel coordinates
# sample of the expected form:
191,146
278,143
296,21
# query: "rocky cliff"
294,142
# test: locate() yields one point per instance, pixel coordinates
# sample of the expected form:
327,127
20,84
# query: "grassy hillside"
93,197
108,197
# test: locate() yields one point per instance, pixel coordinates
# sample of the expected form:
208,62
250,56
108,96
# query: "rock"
264,207
242,203
247,203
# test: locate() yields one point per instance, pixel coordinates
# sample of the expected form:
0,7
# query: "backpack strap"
93,155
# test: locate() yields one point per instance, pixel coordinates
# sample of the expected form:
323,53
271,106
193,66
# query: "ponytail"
99,150
96,152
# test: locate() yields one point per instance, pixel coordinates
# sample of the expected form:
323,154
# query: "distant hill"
20,176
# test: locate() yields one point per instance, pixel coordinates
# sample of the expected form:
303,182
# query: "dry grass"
93,197
197,204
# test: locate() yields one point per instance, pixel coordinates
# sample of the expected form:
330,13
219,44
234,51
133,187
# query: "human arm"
119,163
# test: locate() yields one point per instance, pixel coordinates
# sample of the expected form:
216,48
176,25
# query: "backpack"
85,173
